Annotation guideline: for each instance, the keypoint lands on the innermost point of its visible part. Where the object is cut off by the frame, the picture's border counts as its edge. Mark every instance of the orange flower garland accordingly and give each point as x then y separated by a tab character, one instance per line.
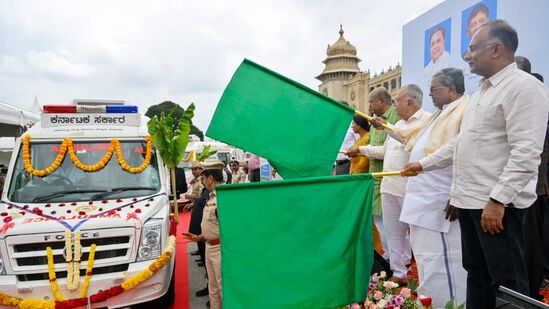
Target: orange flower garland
91	259
68	145
6	300
95	167
53	278
140	168
128	284
143	276
50	169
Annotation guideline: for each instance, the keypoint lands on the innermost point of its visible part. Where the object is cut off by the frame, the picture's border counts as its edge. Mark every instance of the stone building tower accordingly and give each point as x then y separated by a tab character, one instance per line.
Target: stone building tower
343	80
341	64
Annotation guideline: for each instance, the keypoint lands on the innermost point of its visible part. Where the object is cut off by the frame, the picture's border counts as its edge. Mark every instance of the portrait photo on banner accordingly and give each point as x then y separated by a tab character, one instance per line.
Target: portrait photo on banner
473	17
437	47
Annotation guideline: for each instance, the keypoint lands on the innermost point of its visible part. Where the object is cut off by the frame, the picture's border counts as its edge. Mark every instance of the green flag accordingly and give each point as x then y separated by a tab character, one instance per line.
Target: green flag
300	243
299	130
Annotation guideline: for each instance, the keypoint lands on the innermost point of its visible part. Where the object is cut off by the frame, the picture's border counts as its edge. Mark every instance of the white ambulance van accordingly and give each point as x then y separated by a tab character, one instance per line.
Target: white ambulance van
121	207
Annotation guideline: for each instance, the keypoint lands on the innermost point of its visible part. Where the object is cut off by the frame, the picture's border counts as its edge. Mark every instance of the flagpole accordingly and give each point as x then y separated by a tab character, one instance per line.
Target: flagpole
369	118
394	173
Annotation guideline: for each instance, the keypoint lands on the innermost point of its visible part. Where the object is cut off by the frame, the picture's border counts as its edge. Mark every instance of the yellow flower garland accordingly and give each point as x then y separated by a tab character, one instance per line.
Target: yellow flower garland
7	300
50	169
189	157
140	168
95	167
53	279
89	268
68	145
73	271
143	276
128	284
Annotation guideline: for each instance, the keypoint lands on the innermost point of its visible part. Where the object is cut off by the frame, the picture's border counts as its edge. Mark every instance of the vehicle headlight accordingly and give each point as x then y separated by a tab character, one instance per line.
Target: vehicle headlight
2	268
150	245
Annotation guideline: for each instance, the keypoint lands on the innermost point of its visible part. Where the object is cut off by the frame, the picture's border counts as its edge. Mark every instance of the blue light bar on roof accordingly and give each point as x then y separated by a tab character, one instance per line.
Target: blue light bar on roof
121	109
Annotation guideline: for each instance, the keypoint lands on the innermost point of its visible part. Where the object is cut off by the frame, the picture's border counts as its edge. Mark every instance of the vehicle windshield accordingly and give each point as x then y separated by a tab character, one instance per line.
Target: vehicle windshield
68	183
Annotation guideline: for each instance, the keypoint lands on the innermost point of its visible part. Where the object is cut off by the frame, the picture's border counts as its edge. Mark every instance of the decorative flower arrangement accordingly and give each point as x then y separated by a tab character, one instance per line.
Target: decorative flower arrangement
386	294
50	169
68	145
128	284
91	168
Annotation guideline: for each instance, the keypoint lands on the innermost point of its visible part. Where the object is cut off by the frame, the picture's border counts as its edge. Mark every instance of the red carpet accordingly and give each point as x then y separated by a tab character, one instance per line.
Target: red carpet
181	274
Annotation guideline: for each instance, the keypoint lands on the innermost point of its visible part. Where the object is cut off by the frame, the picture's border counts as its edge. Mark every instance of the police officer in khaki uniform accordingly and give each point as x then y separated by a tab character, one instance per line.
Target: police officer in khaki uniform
212	175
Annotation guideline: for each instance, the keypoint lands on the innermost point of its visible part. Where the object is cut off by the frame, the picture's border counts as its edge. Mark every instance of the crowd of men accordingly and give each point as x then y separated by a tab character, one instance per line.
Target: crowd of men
471	215
472	218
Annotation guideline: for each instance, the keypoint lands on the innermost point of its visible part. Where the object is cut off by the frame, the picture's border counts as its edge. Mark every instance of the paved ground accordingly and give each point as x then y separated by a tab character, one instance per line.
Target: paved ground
197	281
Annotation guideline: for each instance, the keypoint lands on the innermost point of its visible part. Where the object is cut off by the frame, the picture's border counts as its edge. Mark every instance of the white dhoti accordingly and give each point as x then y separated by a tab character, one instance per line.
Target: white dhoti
439	263
397	234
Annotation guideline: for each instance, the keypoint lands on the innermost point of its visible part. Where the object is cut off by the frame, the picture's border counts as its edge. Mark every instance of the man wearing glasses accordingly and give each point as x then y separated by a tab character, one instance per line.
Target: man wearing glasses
495	161
434	233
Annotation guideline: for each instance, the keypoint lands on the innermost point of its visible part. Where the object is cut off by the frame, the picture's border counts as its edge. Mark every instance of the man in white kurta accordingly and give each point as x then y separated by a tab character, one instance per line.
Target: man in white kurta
408	107
434	238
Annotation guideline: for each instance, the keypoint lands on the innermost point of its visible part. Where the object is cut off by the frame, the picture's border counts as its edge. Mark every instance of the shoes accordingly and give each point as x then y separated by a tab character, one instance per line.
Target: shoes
398	280
201	264
202	292
206	276
198	260
195	252
208	304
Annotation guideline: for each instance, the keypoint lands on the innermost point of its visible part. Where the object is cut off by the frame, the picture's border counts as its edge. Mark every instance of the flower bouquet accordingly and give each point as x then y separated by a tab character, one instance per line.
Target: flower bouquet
383	293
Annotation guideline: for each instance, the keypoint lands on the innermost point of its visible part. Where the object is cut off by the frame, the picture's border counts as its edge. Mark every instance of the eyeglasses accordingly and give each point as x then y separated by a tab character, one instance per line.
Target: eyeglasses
474	48
433	89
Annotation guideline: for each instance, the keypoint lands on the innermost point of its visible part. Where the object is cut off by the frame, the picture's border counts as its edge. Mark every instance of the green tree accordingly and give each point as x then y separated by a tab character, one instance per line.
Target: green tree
171	141
167	107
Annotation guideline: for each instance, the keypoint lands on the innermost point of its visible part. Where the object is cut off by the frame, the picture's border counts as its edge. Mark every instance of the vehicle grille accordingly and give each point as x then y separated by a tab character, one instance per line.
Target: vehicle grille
28	260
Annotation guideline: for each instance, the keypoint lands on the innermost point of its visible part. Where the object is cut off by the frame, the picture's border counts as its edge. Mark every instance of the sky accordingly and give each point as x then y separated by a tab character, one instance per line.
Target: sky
147	52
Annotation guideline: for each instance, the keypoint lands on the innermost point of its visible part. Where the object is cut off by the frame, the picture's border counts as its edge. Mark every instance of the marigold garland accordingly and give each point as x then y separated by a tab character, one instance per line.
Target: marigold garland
7	300
53	279
146	162
95	167
50	169
89	268
141	277
68	145
130	283
68	259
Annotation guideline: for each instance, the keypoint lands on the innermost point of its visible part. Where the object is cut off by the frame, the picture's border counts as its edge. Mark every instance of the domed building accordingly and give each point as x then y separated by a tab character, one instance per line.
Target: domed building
343	80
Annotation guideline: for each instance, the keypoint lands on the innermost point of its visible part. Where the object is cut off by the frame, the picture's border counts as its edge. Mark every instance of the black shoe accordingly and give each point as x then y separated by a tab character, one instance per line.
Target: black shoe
202	292
195	252
198	260
208	304
201	264
206	276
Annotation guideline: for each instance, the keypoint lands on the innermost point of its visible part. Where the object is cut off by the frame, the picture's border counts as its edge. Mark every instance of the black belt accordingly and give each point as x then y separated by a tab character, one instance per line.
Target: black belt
341	162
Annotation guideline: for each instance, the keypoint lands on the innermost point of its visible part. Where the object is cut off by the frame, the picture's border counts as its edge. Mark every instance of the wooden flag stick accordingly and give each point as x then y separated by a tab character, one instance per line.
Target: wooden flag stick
392	173
369	118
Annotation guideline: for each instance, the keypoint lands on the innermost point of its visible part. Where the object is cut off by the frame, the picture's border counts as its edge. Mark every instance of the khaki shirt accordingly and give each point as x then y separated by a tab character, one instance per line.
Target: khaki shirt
197	187
210	223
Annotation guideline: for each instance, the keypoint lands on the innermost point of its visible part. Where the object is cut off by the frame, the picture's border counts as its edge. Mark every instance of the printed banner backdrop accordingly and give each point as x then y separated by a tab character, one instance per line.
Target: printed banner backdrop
528	17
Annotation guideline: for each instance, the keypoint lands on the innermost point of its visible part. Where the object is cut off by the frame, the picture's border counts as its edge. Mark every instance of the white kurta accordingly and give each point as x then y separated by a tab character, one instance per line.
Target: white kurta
428	193
436	242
